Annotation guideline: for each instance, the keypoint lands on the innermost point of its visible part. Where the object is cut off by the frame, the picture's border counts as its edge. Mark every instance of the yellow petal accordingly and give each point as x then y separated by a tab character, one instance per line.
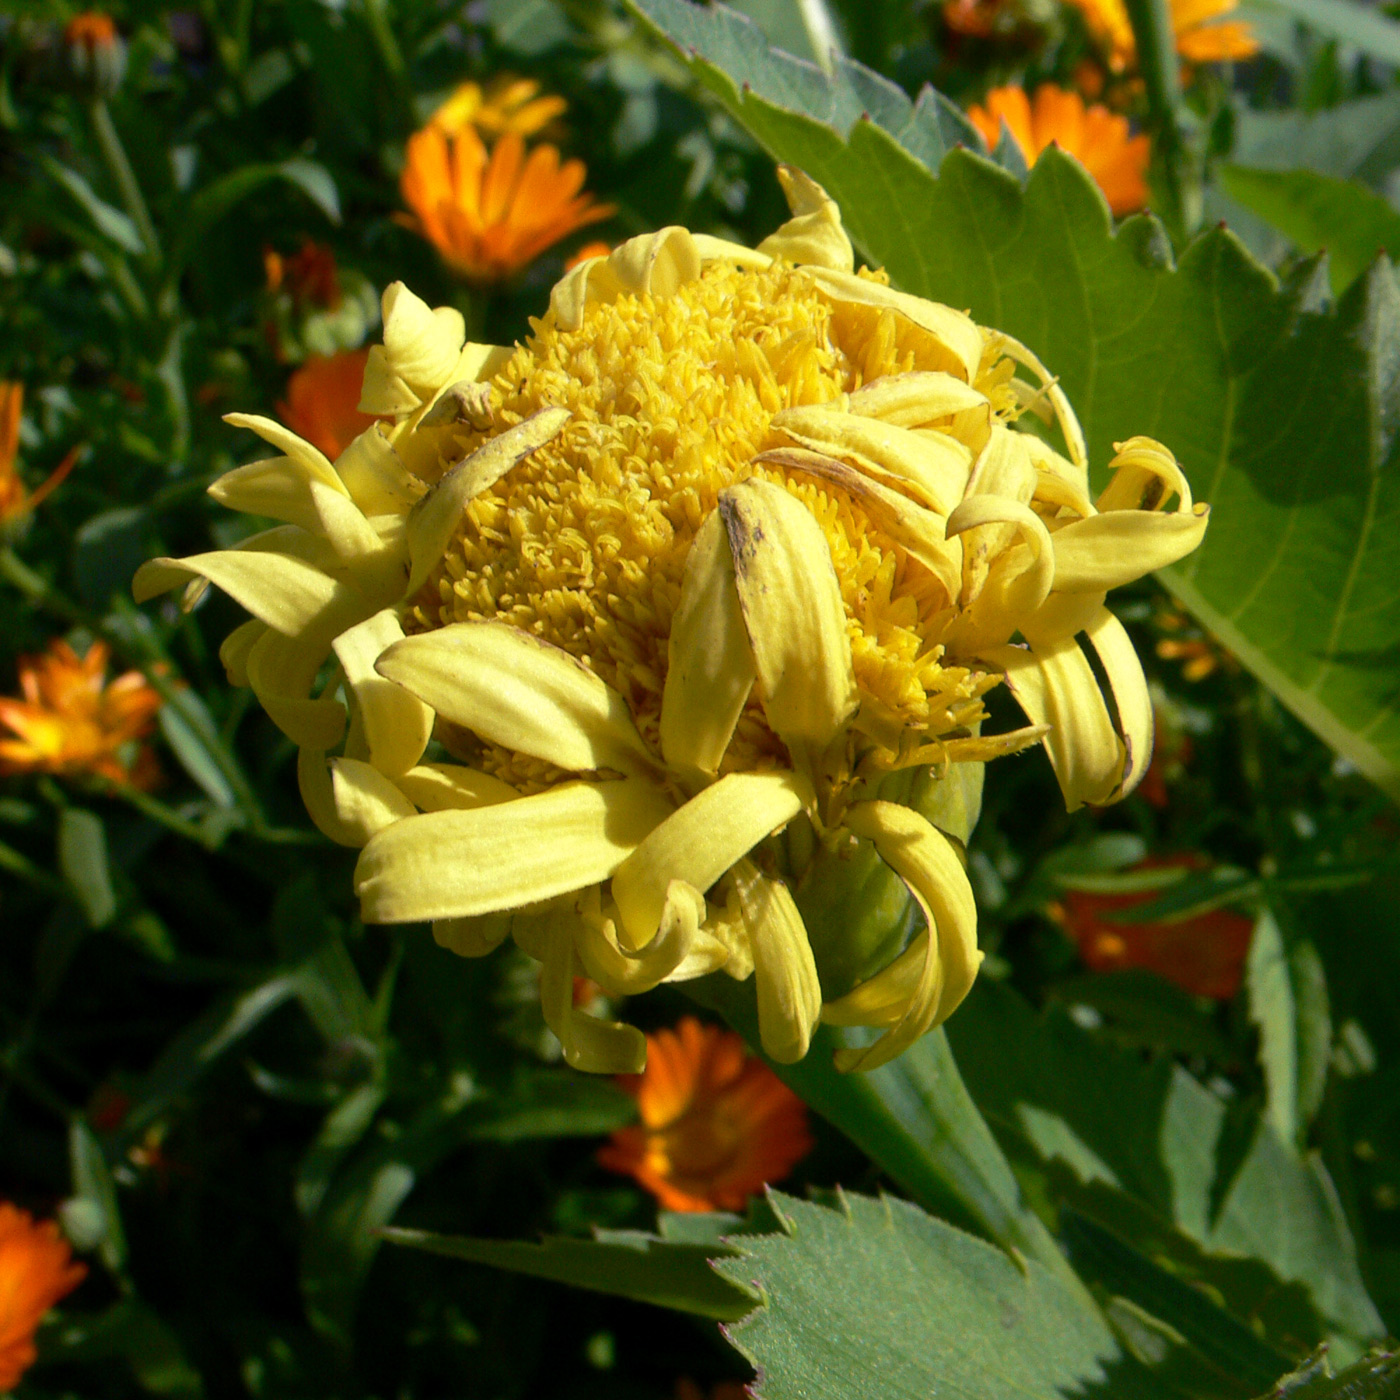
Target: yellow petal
438	516
793	614
928	981
785	973
658	264
1018	579
1131	700
1145	477
710	670
286	593
397	725
932	465
285	440
440	787
515	690
236	646
285	489
314	781
1108	550
951	331
919	532
1058	481
453	864
1064	412
814	235
1004	467
281	671
1060	616
365	800
472	938
916	399
624	972
420	353
589	1044
699	842
1055	685
378	482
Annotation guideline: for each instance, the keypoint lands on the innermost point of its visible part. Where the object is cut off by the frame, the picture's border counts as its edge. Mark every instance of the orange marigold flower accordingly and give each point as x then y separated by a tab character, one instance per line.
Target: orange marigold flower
16	501
489	215
597	249
716	1123
1203	953
309	275
72	721
90	30
1201	35
507	104
36	1270
323	398
1097	137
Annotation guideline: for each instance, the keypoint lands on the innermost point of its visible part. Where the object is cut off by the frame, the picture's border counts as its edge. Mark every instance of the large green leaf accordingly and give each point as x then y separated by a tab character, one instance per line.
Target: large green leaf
1281	412
877	1289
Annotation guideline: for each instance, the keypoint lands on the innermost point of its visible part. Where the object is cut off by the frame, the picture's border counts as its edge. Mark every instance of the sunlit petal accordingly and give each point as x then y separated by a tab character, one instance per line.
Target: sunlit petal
397	725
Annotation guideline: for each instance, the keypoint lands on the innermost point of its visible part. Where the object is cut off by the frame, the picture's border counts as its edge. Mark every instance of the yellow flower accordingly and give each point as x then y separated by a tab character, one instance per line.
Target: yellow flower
72	720
1094	135
16	501
507	105
736	535
489	215
36	1271
1201	35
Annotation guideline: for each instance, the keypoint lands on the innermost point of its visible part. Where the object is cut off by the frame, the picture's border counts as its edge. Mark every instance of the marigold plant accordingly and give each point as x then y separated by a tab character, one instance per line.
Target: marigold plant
717	1124
736	535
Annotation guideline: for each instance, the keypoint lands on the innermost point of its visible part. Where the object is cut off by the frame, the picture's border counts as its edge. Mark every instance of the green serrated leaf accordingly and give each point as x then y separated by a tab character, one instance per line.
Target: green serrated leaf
1267	401
1319	212
82	861
879	1289
624	1263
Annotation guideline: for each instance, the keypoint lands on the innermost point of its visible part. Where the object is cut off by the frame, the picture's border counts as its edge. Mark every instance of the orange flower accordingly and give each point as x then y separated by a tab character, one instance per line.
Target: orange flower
597	249
1098	137
323	397
508	104
36	1270
72	721
716	1124
90	30
488	216
686	1389
309	275
15	500
1204	953
1200	37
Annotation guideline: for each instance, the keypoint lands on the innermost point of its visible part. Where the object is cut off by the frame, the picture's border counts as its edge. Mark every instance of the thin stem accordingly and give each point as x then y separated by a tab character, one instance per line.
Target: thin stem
119	167
158	811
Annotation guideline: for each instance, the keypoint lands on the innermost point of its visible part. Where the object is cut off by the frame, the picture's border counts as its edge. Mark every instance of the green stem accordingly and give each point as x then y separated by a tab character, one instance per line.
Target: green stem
124	177
157	810
1173	173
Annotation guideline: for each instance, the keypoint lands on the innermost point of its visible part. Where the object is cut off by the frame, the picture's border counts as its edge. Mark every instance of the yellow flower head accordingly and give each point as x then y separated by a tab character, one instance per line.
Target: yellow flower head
506	104
734	536
489	214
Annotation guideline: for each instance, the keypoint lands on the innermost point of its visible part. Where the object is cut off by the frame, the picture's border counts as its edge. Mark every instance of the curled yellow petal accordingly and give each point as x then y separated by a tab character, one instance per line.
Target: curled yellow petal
1064	412
396	724
375	476
623	971
235	648
1131	699
472	938
1113	548
1145	477
655	263
698	842
288	594
453	864
286	441
590	1044
710	669
365	800
420	353
916	399
285	489
281	671
814	235
785	972
512	689
793	614
436	518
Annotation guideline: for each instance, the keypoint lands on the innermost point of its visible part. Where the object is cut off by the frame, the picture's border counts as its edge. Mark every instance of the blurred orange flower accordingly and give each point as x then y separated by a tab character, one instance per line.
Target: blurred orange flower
597	249
323	398
1204	953
72	721
490	215
15	500
506	104
1097	137
36	1270
309	275
1201	36
716	1123
90	30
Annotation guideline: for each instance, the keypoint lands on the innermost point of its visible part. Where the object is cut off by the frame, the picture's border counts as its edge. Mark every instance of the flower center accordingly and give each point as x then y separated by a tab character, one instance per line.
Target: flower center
584	543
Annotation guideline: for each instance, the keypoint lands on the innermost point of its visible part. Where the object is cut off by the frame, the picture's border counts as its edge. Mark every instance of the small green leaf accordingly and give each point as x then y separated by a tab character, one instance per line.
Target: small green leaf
93	1184
1352	223
193	753
110	222
624	1263
82	860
